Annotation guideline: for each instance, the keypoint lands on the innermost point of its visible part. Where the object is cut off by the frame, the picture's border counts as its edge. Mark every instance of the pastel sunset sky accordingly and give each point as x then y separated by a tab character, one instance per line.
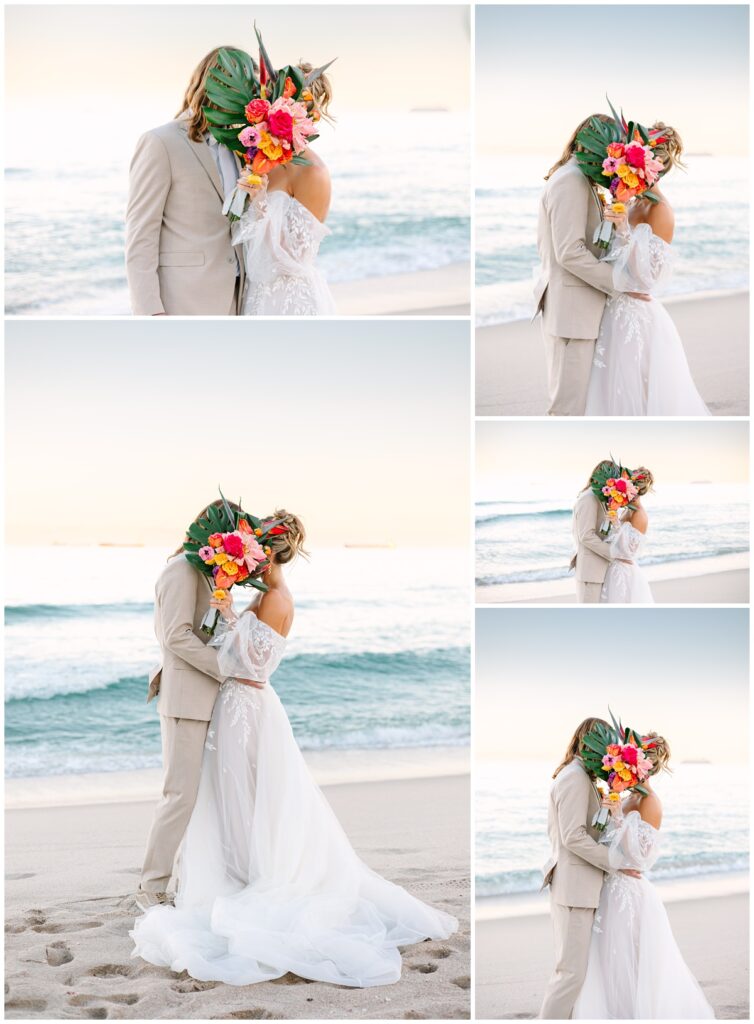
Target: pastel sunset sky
120	434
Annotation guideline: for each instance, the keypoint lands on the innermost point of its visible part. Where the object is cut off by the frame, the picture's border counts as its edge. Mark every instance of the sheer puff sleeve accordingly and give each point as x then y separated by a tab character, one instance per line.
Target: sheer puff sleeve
250	649
634	844
641	260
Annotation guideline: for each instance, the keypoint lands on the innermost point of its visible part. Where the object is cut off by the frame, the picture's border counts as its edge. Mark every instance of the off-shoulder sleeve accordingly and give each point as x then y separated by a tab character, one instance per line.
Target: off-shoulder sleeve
281	237
634	844
626	542
641	260
250	650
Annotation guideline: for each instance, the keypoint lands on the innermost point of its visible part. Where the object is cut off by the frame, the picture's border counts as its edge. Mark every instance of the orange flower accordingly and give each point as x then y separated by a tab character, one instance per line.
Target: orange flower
289	89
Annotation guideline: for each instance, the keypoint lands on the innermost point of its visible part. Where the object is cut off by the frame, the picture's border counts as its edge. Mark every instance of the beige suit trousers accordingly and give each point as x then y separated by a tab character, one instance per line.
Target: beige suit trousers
572	929
182	752
569	365
588	593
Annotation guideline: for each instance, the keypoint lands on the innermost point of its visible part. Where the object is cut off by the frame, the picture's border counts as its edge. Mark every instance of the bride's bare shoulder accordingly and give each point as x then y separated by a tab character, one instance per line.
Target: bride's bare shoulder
275	609
311	186
650	810
661	219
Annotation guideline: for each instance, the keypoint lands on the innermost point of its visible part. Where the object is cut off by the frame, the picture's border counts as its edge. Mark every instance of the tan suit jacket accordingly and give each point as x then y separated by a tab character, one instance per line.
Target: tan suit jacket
188	679
575	871
593	554
179	256
573	285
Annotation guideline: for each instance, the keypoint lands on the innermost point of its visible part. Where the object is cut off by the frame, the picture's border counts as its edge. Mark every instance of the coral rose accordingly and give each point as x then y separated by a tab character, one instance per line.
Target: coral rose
256	111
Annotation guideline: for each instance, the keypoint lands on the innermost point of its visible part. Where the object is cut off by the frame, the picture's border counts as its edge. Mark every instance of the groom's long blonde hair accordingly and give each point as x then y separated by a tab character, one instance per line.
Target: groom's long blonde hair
577	741
572	146
195	96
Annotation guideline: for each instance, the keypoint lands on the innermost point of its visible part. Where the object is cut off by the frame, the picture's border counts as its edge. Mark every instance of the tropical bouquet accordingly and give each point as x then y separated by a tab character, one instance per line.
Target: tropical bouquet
617	156
229	548
266	116
615	488
615	758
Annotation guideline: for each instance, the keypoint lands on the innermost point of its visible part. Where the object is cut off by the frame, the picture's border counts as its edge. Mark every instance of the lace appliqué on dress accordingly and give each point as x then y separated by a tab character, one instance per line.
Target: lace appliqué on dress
241	702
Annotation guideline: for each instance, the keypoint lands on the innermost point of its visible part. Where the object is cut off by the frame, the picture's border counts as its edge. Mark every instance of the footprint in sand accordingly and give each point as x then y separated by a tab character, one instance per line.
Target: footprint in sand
34	1005
57	954
74	926
424	968
111	971
192	985
441	953
257	1013
464	982
85	1000
18	875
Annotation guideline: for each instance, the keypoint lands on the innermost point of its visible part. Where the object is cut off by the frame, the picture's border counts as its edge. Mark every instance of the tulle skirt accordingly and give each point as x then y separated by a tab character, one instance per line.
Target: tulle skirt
625	584
639	366
269	882
636	971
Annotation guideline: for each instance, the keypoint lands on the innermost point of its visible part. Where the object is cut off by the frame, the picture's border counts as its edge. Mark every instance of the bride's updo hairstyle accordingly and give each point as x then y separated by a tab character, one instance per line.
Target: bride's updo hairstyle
321	90
643	486
670	150
576	745
659	755
289	545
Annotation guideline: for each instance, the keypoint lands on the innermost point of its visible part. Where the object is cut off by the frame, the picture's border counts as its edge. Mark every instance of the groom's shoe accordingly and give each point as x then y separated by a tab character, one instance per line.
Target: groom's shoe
145	900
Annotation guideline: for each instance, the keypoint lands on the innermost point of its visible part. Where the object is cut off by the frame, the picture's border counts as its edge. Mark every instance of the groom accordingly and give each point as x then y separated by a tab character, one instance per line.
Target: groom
187	683
574	874
179	256
574	283
593	552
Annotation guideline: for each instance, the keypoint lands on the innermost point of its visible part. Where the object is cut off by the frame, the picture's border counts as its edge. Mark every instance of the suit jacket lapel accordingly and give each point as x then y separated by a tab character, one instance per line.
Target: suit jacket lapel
205	158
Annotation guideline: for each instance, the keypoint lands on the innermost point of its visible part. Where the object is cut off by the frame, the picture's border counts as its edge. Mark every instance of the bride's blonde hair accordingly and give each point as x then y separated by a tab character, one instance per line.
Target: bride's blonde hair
670	150
659	755
289	545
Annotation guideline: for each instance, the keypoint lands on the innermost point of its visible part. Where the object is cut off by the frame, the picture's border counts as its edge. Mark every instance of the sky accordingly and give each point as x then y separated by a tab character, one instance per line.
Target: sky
542	69
517	455
116	433
123	69
680	672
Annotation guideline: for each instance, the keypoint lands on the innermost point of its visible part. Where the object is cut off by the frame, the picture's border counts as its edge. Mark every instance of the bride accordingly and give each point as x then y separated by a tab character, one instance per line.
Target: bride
281	231
269	882
635	969
625	582
639	366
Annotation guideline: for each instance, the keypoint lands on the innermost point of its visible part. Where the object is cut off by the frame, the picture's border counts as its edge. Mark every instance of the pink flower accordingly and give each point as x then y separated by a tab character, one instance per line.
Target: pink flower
233	545
610	164
630	755
250	135
653	169
635	155
253	553
620	485
206	553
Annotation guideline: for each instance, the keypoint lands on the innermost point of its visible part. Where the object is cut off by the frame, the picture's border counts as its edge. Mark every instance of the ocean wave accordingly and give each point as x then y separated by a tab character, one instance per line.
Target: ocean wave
25	612
698	864
324	672
503	517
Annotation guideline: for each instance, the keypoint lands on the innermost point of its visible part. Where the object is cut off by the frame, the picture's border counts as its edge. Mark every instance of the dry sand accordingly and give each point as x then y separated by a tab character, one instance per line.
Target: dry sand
71	872
442	292
514	957
510	363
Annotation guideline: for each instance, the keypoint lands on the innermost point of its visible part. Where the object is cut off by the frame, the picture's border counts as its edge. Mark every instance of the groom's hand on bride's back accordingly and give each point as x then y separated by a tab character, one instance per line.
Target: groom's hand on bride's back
639	295
630	872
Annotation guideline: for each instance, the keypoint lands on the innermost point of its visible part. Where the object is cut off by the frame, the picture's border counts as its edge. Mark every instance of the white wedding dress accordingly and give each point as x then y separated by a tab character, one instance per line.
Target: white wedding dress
281	239
636	971
625	584
639	366
269	882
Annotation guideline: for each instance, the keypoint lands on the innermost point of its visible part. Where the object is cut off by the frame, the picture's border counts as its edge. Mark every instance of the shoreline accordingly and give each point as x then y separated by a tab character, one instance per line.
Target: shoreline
714	329
329	768
443	291
719	579
70	877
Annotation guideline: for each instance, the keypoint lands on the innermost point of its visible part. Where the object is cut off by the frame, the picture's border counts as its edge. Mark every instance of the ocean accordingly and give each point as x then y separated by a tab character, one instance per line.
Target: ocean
530	541
378	658
392	213
711	242
705	828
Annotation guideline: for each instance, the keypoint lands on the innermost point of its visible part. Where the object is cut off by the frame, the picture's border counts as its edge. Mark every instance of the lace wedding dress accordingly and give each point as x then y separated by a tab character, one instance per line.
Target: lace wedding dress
281	239
269	882
625	584
639	366
636	971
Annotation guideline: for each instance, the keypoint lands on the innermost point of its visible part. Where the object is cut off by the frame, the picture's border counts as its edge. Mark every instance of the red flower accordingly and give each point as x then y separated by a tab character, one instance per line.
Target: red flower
277	530
629	755
281	125
620	485
634	155
233	545
256	111
289	89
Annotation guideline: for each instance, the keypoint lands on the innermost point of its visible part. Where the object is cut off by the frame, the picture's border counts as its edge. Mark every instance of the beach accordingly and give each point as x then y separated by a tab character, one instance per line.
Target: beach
441	292
514	954
723	579
714	327
71	872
